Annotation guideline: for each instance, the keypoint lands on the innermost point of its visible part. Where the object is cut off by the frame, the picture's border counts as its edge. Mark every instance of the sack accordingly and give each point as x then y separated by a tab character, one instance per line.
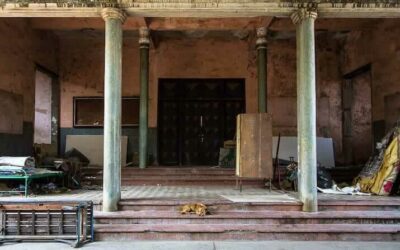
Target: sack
324	178
75	153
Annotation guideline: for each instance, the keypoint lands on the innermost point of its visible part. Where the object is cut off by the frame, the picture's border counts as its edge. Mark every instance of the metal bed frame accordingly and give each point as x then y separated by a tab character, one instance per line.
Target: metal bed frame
27	178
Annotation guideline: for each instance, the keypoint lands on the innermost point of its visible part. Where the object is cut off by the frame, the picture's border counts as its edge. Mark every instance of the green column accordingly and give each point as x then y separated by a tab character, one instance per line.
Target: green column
144	42
306	108
112	108
262	68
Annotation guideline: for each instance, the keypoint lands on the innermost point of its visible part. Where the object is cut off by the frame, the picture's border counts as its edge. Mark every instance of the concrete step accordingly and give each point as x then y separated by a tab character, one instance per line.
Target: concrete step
172	176
249	217
219	205
372	232
167	170
149	174
180	180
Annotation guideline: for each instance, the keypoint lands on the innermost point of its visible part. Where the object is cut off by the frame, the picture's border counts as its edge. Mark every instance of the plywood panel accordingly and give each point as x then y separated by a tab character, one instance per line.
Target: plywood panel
92	147
254	146
288	148
11	113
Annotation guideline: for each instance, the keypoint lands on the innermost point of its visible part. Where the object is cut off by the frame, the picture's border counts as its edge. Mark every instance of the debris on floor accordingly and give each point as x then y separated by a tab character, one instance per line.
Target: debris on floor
227	155
92	187
49	174
380	175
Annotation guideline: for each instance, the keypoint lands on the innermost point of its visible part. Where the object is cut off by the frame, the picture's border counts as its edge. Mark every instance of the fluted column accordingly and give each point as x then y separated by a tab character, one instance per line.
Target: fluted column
144	42
306	108
261	45
112	108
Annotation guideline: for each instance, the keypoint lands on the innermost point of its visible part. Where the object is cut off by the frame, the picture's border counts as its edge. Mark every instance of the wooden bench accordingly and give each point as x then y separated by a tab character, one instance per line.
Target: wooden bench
64	221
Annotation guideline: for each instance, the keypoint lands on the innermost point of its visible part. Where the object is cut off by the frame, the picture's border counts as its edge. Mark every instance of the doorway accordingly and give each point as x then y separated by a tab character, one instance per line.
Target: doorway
195	117
47	106
357	116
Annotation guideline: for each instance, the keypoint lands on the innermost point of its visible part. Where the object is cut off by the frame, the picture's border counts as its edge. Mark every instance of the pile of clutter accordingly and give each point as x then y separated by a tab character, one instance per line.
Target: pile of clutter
324	178
380	175
69	167
12	167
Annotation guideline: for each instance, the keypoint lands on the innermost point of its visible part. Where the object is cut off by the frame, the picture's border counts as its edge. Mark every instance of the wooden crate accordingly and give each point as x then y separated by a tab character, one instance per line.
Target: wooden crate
254	146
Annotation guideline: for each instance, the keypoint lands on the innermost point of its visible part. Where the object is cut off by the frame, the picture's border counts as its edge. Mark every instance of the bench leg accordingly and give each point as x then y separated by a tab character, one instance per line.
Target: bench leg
26	187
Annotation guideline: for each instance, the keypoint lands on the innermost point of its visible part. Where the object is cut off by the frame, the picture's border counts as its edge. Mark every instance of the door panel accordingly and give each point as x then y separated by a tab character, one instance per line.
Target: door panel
202	132
195	117
168	143
357	119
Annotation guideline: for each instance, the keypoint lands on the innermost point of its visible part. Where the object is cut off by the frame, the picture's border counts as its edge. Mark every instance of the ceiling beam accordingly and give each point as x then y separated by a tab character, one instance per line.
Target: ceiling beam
51	23
330	24
158	24
202	10
187	24
169	23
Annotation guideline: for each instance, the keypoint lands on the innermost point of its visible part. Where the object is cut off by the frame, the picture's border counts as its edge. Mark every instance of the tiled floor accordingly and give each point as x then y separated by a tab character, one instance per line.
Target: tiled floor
196	192
158	192
210	245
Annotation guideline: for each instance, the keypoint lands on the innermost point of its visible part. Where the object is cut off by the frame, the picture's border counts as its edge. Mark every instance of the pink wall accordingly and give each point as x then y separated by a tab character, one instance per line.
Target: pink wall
82	68
82	63
79	61
20	48
379	46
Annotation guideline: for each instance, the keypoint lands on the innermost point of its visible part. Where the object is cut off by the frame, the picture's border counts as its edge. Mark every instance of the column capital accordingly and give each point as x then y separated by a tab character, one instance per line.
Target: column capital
113	13
144	37
261	41
302	14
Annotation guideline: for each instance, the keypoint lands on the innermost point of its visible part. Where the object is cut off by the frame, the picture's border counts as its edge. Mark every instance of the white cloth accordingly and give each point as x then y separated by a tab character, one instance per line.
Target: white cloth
346	190
18	161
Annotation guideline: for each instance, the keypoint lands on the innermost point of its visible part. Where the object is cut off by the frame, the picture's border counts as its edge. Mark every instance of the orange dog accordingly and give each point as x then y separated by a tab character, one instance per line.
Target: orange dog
197	208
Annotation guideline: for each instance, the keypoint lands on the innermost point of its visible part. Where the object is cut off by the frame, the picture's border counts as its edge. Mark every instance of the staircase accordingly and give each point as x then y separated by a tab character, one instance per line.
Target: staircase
172	176
360	220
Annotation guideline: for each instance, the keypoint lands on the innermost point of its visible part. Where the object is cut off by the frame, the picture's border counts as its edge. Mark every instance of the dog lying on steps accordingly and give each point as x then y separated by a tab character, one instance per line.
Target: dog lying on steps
194	208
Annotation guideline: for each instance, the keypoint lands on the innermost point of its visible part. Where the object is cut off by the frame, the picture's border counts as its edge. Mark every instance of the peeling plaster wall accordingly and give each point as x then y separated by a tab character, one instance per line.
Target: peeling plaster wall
282	88
82	67
21	48
82	72
380	46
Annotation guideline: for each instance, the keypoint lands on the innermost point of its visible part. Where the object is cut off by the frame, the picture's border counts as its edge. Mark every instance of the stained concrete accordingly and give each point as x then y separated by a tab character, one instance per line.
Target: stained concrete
213	245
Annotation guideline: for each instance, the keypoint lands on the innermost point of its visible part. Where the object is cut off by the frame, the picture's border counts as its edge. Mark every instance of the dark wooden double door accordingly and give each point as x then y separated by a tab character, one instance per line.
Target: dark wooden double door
196	116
